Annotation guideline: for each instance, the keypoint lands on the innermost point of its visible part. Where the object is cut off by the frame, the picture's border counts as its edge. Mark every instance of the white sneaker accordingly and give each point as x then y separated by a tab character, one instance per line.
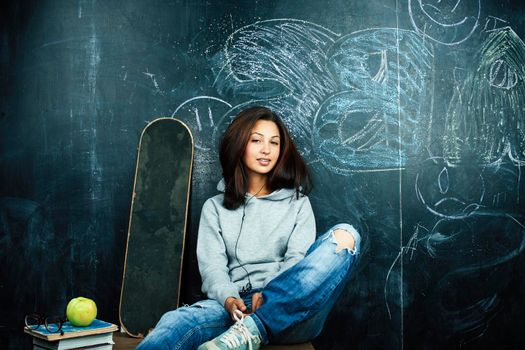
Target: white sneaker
243	335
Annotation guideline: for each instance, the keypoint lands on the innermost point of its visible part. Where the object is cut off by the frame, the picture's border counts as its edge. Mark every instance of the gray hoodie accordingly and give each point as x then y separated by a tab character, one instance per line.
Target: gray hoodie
277	230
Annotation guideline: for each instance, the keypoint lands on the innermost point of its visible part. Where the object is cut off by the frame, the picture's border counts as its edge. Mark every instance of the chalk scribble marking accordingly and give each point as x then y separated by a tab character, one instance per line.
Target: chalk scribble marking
470	235
485	115
153	80
448	22
281	62
202	115
381	74
446	191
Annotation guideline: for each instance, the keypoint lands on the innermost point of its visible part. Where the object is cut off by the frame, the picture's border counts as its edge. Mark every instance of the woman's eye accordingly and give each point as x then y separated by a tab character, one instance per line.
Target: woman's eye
275	143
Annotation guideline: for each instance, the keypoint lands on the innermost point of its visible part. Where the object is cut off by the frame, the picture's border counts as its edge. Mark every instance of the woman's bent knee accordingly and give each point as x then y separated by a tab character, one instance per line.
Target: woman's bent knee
347	238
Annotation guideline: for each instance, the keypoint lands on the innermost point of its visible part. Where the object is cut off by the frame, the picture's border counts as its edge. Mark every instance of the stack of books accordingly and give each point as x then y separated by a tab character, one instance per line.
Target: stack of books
97	336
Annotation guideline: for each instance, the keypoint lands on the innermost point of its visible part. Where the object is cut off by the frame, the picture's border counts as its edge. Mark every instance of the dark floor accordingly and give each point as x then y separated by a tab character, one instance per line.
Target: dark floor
123	342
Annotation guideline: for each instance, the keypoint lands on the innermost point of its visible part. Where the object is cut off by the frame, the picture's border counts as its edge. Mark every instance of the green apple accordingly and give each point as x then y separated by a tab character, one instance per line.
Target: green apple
81	311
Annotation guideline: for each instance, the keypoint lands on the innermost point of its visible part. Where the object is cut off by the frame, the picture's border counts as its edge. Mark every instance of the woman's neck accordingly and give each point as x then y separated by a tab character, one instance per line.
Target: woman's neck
258	185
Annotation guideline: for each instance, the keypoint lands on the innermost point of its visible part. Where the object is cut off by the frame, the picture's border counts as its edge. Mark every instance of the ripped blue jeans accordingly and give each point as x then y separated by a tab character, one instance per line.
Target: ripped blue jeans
296	302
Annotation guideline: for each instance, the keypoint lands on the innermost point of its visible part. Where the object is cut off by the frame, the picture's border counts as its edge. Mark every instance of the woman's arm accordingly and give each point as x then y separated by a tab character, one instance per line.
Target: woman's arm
300	239
212	258
302	236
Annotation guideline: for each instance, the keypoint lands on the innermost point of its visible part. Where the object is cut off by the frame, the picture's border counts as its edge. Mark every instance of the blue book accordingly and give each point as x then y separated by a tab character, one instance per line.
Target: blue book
70	331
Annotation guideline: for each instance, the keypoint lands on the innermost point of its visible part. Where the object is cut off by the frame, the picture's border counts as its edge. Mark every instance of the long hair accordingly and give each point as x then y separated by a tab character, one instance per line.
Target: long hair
289	172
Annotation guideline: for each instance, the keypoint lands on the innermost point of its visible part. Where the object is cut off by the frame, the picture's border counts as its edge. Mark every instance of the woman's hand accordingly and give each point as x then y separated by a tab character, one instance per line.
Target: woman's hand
257	301
231	304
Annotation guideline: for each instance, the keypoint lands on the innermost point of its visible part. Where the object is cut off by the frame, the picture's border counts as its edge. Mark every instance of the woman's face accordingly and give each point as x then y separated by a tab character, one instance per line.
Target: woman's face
262	151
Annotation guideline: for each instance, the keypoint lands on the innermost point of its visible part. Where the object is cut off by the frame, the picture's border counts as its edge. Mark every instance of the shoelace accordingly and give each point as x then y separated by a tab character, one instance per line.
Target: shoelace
239	333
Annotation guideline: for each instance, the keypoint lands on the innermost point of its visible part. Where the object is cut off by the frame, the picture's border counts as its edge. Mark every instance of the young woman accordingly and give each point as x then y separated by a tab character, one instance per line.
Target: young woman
265	277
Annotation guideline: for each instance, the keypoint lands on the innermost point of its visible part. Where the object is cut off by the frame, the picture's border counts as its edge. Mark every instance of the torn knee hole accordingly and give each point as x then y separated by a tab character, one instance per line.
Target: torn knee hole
344	240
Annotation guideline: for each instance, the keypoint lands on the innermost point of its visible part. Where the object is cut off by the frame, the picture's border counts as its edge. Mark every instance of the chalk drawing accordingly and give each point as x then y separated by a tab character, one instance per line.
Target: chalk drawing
461	240
394	279
202	114
472	232
319	82
492	23
485	115
449	192
468	248
448	22
463	248
384	74
281	60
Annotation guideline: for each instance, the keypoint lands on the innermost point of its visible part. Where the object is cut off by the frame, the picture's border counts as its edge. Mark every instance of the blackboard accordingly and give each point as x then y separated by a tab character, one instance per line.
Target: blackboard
410	114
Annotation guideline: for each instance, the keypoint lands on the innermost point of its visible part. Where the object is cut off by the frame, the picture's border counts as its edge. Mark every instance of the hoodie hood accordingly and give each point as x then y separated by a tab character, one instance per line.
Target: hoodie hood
280	194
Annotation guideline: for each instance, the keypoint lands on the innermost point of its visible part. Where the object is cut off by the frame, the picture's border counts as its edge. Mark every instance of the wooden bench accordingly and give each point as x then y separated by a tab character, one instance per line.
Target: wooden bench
123	342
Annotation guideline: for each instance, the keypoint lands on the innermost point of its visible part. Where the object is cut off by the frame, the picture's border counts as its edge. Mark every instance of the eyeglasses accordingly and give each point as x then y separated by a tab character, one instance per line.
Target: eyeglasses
52	324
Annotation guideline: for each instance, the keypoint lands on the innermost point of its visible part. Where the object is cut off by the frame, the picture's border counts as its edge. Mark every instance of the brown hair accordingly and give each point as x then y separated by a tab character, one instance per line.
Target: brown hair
289	172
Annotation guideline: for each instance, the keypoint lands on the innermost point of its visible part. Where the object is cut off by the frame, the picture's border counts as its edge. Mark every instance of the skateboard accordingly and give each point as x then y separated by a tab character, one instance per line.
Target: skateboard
157	226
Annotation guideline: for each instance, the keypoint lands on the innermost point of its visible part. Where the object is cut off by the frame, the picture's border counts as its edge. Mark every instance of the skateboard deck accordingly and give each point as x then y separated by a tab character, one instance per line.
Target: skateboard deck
157	226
